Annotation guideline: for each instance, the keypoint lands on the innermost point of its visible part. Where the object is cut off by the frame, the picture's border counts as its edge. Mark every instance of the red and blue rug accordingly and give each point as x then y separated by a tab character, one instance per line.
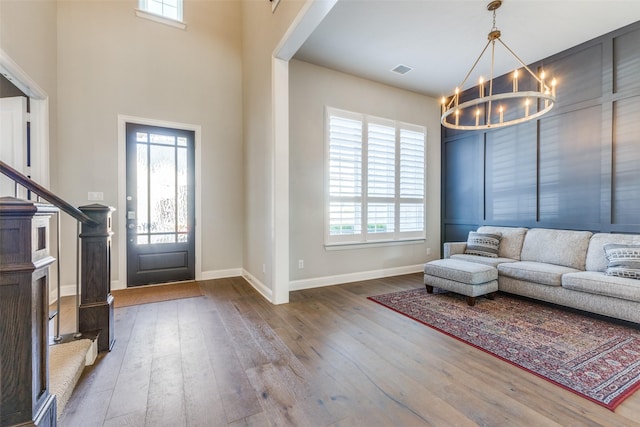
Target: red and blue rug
593	358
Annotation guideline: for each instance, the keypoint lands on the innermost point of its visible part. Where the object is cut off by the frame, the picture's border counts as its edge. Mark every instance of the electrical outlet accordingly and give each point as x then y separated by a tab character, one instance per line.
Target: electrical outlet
301	263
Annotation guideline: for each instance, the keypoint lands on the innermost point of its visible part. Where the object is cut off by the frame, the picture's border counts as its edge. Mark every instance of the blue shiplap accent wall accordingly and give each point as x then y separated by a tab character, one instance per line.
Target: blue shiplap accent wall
578	167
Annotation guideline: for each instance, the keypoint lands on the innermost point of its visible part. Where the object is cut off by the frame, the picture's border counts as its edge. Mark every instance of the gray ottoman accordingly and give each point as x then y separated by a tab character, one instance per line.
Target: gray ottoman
462	277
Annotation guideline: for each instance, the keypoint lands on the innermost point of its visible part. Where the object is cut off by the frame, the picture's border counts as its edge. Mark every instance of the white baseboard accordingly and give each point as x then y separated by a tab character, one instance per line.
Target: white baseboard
266	292
117	284
70	290
219	274
258	286
316	282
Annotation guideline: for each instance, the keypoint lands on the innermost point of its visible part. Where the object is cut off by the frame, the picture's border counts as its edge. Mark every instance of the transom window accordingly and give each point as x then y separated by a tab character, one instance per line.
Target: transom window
171	9
375	179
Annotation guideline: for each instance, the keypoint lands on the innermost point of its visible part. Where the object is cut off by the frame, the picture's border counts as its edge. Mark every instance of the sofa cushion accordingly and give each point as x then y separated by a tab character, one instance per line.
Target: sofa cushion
511	241
624	260
595	282
483	244
537	272
482	259
561	247
596	257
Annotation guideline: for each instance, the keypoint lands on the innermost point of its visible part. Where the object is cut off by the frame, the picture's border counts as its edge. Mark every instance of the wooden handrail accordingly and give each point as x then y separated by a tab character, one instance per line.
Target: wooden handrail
36	188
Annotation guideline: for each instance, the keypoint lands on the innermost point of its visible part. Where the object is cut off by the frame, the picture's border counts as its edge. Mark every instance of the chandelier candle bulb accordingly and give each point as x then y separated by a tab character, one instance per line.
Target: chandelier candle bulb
444	107
553	88
501	114
526	108
515	81
477	116
546	101
457	117
481	82
542	82
457	96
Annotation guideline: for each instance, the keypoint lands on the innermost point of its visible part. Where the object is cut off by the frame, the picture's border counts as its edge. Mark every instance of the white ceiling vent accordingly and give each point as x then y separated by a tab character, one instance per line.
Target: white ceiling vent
401	69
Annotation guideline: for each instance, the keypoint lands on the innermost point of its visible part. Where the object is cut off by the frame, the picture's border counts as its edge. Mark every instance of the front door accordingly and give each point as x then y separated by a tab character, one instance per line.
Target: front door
160	205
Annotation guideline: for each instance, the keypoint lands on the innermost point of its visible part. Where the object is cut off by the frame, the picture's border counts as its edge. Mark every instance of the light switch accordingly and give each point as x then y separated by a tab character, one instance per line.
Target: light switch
95	195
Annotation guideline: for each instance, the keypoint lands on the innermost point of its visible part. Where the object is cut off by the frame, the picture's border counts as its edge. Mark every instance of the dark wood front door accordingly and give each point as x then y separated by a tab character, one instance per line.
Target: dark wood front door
160	205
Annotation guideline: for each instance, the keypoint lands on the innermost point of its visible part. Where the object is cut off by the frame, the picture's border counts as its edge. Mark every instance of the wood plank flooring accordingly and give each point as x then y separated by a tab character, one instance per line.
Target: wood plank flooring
328	358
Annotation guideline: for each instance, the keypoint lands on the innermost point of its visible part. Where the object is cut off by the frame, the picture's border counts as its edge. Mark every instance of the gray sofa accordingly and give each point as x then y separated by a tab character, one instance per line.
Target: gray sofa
563	267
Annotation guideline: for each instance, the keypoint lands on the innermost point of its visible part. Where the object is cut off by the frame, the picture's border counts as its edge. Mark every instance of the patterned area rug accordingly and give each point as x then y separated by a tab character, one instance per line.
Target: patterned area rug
593	358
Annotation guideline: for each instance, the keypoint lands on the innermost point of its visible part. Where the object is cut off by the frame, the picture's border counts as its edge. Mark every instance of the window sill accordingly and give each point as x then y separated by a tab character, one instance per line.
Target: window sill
360	245
161	19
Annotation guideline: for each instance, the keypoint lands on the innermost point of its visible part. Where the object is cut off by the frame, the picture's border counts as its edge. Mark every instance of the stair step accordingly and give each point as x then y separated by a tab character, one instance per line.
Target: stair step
66	363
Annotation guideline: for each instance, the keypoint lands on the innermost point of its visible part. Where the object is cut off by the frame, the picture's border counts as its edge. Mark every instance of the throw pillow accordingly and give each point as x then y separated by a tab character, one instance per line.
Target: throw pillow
624	260
483	244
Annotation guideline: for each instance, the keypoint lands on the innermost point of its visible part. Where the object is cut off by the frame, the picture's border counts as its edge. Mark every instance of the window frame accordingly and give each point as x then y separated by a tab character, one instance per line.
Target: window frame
365	237
143	11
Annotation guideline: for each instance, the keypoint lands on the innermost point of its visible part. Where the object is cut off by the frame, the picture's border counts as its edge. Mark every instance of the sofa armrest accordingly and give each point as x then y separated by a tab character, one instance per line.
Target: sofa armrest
453	248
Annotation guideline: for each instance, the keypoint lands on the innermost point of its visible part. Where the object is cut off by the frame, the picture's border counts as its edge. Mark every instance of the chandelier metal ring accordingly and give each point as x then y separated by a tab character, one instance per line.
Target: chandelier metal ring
532	95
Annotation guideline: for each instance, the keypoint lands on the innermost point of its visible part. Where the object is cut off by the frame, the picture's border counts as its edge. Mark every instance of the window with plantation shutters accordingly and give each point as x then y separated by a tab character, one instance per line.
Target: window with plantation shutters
375	179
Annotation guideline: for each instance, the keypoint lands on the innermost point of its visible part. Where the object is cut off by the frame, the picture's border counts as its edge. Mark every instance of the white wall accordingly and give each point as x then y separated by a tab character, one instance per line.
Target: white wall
311	89
262	31
28	35
112	62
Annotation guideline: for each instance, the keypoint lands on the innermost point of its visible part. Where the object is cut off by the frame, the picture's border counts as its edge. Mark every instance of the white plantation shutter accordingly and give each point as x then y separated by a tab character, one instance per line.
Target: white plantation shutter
345	176
345	157
381	177
380	217
412	179
411	163
412	217
381	167
375	179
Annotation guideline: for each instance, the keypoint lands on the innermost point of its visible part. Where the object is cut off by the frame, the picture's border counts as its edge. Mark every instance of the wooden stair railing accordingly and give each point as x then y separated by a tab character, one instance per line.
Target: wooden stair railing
24	302
44	193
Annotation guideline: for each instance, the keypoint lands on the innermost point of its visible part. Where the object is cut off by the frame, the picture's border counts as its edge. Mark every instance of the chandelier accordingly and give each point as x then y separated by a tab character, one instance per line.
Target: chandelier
498	103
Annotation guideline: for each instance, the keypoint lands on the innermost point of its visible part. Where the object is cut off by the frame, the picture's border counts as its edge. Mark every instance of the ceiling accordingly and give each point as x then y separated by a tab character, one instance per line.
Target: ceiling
441	39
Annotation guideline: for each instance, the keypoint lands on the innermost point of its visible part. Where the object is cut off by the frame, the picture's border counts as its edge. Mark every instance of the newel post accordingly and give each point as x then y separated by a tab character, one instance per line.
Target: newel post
25	399
96	303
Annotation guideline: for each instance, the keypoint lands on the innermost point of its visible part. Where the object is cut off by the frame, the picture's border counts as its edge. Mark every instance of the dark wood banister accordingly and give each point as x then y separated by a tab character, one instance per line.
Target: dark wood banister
25	261
36	188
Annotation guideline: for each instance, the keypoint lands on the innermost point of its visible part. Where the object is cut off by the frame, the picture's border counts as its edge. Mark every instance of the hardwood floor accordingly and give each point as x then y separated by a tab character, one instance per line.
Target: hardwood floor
328	358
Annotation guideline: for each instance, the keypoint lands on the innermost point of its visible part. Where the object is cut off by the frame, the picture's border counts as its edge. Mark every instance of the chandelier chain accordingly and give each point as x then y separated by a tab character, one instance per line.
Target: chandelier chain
494	20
